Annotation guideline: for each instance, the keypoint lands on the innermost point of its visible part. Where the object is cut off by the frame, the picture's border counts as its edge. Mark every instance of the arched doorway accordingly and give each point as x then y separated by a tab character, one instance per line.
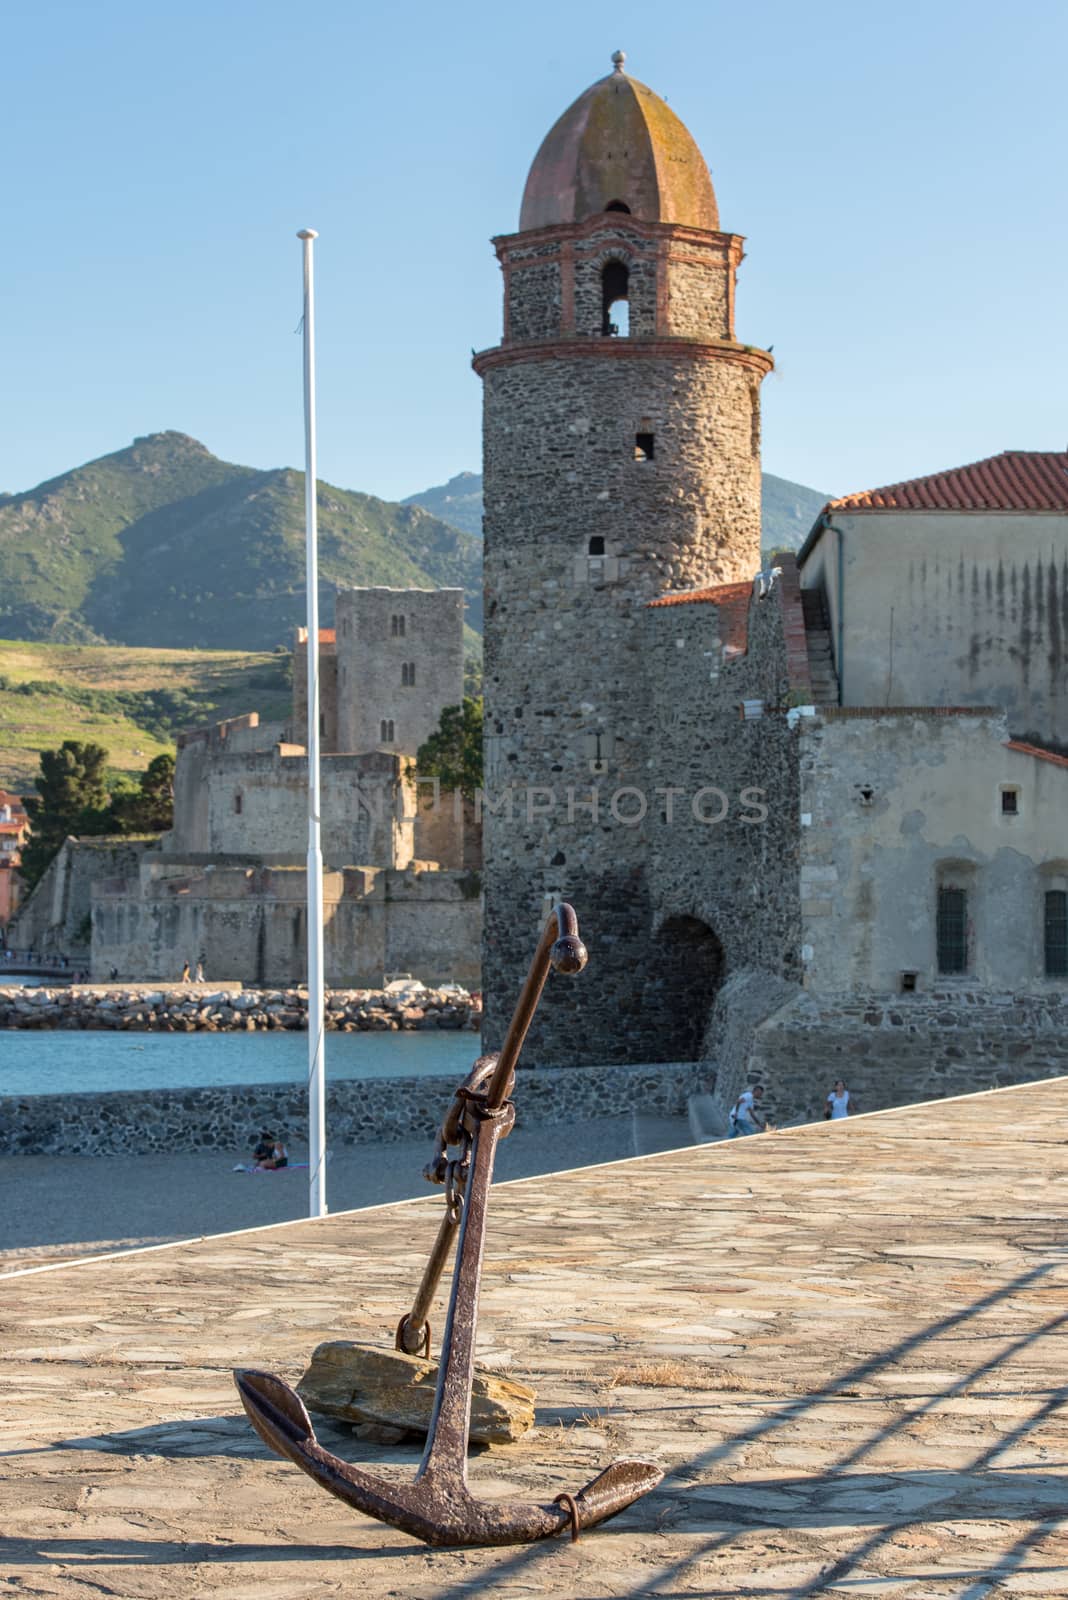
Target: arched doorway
689	969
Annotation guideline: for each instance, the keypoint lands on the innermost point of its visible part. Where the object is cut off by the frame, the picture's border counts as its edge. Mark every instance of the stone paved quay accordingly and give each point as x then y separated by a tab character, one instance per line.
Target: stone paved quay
846	1344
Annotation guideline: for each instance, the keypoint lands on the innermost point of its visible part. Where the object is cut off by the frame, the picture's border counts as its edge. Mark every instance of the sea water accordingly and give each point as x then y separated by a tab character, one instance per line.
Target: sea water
70	1062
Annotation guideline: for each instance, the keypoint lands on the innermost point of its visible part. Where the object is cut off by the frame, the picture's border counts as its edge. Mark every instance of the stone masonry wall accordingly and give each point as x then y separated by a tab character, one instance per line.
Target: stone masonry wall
737	874
895	1052
56	919
406	677
255	804
566	662
698	305
358	1110
250	925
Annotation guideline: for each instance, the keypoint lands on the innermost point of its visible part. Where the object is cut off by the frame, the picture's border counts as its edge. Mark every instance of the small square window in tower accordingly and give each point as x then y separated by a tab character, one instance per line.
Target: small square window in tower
1010	802
644	446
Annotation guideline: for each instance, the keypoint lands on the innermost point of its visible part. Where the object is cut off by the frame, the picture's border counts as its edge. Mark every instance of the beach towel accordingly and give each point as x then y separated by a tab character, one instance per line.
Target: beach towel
270	1172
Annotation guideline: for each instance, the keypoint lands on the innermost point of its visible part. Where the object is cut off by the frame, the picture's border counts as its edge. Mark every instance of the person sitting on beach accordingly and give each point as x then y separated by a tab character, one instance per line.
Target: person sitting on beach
270	1153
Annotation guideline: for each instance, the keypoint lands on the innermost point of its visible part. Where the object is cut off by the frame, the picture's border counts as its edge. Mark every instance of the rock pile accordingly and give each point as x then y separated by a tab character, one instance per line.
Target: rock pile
145	1010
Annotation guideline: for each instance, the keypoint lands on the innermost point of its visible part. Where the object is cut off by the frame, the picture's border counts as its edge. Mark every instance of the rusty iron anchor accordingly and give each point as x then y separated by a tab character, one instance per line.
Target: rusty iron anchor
438	1506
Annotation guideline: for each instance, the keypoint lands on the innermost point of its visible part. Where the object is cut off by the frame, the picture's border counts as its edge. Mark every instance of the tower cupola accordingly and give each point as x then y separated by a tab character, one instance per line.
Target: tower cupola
619	147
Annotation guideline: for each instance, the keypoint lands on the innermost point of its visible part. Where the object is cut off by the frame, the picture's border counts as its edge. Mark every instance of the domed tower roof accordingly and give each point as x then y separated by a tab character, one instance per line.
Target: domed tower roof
619	147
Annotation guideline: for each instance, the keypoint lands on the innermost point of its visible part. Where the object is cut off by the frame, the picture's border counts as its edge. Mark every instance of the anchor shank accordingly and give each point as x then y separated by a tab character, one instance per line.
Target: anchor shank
446	1446
559	947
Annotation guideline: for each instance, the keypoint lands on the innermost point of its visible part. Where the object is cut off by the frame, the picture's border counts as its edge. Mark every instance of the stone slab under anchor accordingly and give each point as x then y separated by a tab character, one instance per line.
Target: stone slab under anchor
363	1383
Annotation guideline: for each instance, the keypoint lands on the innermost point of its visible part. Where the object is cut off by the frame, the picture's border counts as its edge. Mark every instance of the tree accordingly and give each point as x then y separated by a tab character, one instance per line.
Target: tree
150	807
453	752
72	797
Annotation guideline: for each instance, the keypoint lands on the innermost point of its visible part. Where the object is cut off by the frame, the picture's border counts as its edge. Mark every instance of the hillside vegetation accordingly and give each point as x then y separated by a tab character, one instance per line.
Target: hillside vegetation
164	544
133	702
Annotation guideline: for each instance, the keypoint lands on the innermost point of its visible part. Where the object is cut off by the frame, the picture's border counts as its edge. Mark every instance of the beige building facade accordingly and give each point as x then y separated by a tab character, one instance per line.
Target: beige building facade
953	590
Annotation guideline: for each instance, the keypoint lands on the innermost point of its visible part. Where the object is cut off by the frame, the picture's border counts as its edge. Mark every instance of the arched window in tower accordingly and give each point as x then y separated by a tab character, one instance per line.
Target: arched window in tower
407	674
386	732
617	205
615	305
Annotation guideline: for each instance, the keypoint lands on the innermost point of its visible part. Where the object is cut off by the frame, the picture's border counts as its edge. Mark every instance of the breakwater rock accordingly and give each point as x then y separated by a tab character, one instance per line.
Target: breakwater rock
202	1008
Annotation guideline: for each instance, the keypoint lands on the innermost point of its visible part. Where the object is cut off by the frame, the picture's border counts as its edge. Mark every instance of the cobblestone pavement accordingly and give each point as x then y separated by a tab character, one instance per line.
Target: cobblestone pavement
845	1344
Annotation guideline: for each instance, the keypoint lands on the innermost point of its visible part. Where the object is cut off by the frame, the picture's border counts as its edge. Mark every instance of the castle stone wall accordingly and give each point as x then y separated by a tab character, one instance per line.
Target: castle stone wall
55	920
955	1040
400	660
249	924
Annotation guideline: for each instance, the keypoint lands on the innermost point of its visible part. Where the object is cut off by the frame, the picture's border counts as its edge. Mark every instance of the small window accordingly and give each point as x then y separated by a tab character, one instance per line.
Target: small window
952	930
386	732
238	804
396	627
408	674
1010	802
596	545
1056	933
908	982
644	446
617	205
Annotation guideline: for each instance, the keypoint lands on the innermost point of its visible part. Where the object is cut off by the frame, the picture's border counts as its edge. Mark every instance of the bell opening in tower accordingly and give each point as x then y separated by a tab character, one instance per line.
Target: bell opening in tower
615	305
618	205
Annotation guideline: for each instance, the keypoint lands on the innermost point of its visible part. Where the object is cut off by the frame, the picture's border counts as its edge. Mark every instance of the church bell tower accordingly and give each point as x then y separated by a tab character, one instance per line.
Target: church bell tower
621	463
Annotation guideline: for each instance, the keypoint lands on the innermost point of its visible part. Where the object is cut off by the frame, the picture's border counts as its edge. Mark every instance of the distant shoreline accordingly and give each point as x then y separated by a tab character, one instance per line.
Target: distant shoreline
230	1008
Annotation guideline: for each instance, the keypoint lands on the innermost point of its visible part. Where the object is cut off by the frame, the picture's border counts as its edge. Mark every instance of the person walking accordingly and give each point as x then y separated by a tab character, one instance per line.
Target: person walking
839	1103
744	1117
185	972
200	968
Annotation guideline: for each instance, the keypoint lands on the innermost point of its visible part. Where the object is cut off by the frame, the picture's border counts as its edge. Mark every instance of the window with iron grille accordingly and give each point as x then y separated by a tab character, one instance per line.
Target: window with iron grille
1056	933
952	930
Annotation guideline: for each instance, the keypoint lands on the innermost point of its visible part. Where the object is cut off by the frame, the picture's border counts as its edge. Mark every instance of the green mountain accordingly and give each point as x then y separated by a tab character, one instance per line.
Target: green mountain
459	501
164	544
788	510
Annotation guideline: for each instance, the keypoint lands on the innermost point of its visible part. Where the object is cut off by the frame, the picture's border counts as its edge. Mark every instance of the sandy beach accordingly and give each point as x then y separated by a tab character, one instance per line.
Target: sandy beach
56	1207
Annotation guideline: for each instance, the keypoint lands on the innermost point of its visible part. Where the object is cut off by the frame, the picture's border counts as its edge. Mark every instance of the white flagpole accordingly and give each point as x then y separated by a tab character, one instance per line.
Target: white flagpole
316	997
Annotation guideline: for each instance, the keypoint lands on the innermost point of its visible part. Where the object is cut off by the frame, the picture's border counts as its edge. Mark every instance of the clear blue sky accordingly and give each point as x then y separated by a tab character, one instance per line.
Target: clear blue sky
899	172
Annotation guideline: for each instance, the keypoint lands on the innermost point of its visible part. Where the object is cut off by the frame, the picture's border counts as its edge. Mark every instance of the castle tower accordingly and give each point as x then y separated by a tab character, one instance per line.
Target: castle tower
621	462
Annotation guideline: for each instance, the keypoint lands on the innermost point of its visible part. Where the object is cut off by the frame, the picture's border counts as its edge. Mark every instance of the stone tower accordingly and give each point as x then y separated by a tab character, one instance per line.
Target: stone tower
621	462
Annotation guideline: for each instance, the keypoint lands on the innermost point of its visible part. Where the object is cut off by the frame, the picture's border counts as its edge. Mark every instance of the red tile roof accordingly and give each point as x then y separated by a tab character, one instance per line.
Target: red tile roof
1015	480
732	599
1037	750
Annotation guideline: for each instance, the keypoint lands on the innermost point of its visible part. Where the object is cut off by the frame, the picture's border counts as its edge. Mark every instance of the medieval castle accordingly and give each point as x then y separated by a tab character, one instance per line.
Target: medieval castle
809	817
